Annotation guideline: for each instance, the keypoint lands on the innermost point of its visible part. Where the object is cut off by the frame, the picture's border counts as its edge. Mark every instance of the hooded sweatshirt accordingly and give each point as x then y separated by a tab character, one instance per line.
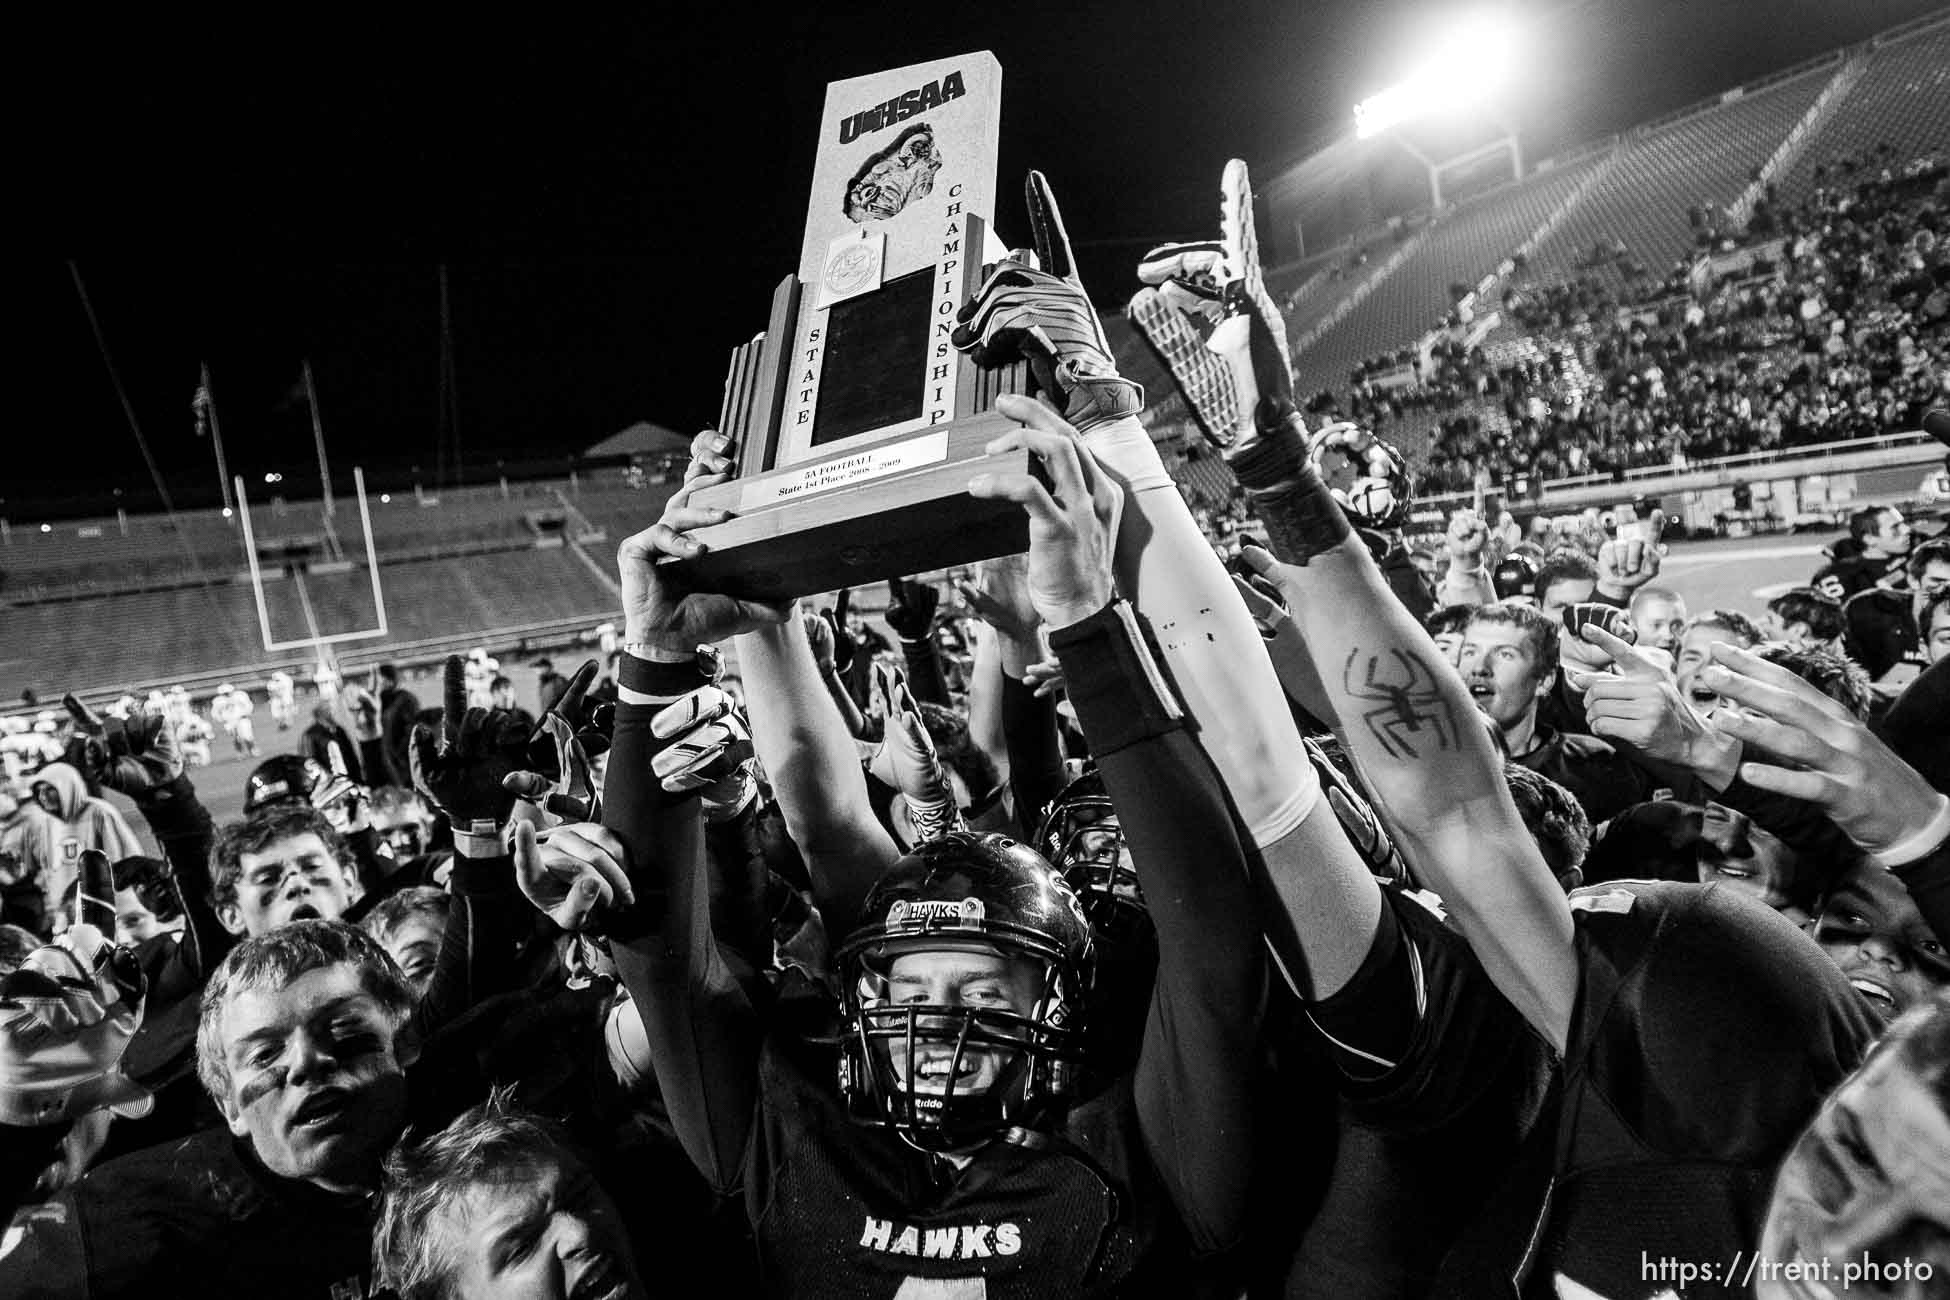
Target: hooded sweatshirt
82	823
24	833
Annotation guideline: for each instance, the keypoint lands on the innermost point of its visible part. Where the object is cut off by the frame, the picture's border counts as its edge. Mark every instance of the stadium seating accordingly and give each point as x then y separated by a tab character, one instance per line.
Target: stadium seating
97	552
131	638
1902	100
1640	195
191	631
1309	291
1659	174
95	556
1460	247
620	511
439	597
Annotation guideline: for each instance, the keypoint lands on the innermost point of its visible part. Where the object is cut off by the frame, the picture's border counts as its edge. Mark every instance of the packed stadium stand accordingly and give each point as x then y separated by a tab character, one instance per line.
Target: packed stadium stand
1648	194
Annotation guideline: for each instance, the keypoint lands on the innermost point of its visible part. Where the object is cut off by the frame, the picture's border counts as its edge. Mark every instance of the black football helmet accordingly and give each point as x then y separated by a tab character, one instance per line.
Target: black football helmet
1515	577
1082	838
294	779
979	894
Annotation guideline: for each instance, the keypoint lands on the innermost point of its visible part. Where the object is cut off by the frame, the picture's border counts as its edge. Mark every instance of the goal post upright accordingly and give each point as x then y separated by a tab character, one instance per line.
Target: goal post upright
272	645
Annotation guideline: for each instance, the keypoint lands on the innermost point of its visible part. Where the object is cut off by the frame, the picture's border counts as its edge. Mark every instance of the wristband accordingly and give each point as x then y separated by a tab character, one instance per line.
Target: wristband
933	819
1120	695
651	652
480	838
1301	517
658	681
1920	844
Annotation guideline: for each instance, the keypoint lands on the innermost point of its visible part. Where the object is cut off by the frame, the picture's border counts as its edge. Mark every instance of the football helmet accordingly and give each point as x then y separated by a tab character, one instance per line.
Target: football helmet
294	778
946	1075
1515	578
1082	838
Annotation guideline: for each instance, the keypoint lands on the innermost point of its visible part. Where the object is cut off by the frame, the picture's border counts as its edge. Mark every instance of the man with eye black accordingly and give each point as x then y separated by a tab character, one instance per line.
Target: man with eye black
303	1041
303	1046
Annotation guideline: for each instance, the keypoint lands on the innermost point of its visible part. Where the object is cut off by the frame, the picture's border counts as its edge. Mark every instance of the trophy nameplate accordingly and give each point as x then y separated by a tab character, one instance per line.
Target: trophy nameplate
857	423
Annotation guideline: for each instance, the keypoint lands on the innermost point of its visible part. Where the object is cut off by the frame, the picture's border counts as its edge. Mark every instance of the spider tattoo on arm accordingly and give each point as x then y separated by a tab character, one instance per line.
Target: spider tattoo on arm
1405	706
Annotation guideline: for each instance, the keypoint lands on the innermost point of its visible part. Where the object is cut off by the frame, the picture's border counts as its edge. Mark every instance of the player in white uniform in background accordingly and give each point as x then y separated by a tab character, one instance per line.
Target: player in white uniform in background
283	695
220	709
178	708
481	672
325	677
231	708
606	639
193	732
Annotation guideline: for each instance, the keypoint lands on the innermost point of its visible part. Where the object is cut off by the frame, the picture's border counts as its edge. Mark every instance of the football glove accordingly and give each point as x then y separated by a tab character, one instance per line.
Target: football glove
1032	307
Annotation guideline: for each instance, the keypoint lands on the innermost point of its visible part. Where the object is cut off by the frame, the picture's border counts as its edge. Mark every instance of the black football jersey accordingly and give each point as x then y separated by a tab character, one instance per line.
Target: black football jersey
845	1210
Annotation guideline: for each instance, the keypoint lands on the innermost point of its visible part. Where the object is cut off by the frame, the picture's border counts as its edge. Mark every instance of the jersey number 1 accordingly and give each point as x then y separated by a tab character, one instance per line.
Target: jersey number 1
943	1288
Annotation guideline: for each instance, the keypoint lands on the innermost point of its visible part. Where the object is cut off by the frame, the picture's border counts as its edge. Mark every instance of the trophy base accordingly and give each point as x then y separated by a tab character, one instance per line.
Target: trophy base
899	507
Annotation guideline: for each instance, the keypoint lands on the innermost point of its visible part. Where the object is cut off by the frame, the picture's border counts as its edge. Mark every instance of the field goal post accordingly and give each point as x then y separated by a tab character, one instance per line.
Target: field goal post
319	643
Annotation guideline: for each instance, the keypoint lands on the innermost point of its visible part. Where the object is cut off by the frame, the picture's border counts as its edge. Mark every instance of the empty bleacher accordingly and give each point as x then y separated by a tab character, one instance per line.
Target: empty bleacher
1663	171
98	554
1902	100
1461	246
113	640
101	642
1309	291
619	510
145	552
434	598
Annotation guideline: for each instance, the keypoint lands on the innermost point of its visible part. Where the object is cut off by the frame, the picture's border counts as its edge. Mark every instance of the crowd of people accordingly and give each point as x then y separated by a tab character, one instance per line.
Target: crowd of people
1120	923
1844	334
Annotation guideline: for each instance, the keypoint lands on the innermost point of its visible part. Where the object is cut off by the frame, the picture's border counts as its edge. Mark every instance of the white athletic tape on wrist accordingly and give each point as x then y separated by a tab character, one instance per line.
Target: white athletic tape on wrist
1922	842
1126	450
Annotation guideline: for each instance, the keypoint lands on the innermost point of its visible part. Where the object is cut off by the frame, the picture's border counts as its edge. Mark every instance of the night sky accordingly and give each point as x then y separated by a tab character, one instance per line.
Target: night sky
615	198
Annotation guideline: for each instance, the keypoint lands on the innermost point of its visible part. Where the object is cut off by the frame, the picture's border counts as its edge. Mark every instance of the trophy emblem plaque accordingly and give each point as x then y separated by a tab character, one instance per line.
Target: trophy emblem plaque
857	423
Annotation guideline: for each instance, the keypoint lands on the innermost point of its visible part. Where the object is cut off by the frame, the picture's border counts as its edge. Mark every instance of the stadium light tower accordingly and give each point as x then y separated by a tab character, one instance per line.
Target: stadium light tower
1467	66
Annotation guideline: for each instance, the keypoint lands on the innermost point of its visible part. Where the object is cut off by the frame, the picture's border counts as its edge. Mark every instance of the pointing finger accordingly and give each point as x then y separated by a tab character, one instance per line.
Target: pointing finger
453	697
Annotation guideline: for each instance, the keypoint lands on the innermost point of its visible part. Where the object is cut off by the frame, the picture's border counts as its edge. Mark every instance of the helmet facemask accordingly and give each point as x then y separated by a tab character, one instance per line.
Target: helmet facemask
964	992
1083	840
951	1075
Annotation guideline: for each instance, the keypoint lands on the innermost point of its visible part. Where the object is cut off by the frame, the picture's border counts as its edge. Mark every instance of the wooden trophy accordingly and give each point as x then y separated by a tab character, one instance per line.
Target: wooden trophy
857	423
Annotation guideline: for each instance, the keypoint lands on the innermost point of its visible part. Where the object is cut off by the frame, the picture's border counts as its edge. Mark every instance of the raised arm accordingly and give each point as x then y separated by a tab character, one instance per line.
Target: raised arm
1465	576
1407	720
703	1028
987	725
822	635
1201	1042
803	727
910	613
1328	904
814	765
1026	720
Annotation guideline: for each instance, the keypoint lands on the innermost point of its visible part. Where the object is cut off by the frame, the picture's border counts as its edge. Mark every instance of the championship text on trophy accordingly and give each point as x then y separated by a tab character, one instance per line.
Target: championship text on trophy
858	425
